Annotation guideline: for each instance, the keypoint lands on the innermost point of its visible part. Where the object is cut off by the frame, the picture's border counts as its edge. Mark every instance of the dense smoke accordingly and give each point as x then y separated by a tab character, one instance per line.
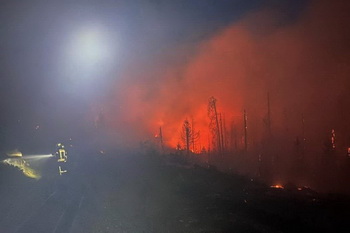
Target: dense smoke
303	63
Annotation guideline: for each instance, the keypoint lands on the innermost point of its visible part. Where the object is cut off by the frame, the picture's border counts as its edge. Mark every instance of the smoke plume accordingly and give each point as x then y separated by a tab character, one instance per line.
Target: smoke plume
302	63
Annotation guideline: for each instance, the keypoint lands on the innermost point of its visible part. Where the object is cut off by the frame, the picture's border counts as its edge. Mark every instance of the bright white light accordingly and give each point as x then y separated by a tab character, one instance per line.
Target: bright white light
90	47
89	52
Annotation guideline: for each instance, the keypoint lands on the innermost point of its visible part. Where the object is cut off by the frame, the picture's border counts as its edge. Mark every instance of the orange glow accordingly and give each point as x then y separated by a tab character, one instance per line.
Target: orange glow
238	65
277	186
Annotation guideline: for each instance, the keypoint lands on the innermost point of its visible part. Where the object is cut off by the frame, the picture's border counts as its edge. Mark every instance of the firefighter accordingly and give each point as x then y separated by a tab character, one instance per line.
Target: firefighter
61	153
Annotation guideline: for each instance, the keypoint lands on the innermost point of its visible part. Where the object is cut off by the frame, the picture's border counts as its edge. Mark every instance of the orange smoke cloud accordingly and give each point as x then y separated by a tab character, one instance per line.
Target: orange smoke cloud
302	64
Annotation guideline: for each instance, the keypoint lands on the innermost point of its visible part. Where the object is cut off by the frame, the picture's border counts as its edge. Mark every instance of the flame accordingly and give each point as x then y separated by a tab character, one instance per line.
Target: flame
277	186
239	65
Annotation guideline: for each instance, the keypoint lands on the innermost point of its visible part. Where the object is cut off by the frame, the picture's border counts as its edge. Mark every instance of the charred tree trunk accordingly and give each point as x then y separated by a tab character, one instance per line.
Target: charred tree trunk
268	116
214	125
187	140
161	139
221	136
245	131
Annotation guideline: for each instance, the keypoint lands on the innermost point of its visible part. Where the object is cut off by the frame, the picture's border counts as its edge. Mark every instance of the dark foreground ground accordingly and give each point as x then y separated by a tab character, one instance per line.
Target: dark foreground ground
125	192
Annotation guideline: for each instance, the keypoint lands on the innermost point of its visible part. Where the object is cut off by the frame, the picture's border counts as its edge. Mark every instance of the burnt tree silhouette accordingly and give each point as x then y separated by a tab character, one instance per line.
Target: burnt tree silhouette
245	119
188	135
214	125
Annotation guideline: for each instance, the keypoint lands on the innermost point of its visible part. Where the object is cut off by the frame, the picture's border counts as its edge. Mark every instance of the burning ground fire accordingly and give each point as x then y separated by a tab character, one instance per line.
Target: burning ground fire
277	186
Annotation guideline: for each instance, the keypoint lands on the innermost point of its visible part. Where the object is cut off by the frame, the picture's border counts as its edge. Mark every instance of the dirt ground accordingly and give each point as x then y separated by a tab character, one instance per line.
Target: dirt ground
131	193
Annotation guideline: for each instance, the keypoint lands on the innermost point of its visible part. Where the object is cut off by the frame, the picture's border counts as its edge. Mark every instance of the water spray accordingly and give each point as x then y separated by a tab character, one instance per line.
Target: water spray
24	166
37	157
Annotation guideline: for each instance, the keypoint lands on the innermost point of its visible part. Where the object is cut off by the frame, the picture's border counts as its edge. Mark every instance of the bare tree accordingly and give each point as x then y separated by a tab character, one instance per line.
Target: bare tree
189	136
161	138
245	119
214	125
